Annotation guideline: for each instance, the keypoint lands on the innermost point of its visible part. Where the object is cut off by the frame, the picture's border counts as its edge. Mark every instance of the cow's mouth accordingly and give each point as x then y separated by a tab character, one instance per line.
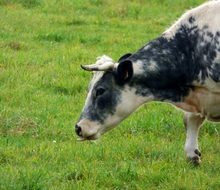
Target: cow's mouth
89	138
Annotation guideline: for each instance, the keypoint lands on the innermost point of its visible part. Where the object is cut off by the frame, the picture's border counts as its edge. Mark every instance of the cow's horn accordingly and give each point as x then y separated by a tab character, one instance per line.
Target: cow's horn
103	63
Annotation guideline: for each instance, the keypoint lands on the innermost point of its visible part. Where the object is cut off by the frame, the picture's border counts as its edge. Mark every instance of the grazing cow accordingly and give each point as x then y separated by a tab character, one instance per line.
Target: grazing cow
181	67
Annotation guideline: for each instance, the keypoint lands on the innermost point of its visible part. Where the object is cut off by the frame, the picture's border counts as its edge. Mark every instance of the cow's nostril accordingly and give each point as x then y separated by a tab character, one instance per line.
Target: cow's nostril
78	130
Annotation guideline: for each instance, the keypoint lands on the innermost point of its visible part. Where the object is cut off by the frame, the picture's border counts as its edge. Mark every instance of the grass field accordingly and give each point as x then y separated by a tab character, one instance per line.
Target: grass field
42	92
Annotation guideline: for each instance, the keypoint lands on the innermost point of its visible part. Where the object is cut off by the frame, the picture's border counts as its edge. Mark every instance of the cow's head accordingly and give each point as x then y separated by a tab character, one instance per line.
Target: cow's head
110	99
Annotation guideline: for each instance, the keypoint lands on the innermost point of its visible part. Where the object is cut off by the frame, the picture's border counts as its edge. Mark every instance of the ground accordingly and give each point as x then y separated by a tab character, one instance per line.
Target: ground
43	89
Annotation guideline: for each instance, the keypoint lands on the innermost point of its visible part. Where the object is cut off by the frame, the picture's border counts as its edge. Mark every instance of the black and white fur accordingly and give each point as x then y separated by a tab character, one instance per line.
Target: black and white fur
181	67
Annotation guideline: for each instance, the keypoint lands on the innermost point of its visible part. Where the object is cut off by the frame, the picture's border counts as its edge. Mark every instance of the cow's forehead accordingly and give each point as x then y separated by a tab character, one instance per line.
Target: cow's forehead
97	75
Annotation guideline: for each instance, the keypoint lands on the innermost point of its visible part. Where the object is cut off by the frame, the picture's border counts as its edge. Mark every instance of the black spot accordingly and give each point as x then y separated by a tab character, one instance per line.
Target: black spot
194	160
198	152
215	72
210	34
192	19
205	27
100	107
99	91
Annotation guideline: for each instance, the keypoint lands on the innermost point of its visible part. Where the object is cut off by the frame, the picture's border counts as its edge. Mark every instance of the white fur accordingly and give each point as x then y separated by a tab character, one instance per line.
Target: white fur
152	66
206	14
193	123
138	67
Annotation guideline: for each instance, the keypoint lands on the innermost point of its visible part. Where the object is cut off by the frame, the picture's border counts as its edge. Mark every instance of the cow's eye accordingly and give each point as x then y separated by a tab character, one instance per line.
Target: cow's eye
99	92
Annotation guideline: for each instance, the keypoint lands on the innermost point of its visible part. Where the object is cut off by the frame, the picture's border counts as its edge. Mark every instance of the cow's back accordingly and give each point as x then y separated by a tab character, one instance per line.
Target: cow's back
206	15
202	26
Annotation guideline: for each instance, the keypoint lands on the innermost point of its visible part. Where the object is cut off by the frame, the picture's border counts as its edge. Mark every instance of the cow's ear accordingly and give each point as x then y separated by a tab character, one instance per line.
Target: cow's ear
123	57
124	71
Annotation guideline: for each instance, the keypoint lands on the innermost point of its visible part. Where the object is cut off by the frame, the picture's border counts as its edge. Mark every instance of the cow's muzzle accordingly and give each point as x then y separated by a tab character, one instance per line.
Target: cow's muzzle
87	130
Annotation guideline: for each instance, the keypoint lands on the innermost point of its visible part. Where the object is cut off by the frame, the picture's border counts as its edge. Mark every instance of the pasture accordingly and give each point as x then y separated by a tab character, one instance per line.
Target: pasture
43	89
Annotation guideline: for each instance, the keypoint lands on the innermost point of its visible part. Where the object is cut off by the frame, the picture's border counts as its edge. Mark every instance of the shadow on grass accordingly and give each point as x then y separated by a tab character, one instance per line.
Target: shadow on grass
17	125
67	91
75	176
24	3
13	45
51	37
76	22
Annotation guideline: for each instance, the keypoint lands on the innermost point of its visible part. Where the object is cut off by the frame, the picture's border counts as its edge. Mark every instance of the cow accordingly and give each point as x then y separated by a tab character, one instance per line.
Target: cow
180	67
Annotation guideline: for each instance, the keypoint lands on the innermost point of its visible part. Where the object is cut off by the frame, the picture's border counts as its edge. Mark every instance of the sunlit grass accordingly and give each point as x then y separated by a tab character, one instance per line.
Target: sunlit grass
42	92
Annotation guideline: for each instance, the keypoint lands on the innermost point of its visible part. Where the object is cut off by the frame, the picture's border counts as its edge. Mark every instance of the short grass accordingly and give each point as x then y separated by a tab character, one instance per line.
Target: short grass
42	91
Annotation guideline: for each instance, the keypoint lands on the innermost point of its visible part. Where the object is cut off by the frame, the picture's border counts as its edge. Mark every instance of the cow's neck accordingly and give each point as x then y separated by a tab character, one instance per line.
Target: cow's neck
161	69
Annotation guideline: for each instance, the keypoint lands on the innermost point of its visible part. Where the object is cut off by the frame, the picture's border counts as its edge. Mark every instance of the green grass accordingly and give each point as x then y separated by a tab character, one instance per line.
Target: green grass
42	92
